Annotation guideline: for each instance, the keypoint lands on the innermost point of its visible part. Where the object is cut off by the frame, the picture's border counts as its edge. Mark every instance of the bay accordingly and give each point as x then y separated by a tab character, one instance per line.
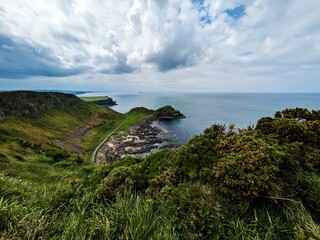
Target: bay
204	109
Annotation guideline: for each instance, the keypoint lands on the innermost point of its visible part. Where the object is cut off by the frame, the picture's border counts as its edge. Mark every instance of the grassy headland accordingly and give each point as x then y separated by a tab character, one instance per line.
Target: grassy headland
256	183
100	100
93	99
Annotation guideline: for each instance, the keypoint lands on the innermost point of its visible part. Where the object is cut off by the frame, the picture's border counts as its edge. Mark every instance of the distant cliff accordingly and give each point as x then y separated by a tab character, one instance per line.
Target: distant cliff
106	102
27	103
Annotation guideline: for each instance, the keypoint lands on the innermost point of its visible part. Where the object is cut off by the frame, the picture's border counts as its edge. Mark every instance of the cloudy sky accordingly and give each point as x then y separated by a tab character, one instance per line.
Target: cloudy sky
166	45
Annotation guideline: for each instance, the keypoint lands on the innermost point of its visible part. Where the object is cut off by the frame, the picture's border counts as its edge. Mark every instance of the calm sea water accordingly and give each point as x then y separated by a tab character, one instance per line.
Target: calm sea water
204	109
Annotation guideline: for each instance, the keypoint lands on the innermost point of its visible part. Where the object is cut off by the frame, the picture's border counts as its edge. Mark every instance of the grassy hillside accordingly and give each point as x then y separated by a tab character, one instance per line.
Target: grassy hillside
45	141
37	118
256	183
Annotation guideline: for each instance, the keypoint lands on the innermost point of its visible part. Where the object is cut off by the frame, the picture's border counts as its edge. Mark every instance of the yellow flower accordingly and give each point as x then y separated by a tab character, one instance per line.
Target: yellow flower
73	181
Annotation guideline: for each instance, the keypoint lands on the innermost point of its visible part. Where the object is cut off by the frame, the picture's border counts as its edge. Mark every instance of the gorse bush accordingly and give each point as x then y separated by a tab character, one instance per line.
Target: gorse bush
247	168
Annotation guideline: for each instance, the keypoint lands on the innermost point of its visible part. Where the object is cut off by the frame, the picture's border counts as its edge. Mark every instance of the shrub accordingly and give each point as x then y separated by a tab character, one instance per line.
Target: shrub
290	130
197	210
297	113
56	154
286	130
167	178
247	168
116	182
266	125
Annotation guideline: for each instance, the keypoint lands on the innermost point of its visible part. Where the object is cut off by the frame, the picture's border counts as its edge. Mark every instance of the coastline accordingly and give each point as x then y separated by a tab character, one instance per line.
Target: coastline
143	138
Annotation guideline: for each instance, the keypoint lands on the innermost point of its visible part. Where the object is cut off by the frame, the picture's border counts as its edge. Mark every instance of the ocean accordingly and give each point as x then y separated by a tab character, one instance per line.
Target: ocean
204	109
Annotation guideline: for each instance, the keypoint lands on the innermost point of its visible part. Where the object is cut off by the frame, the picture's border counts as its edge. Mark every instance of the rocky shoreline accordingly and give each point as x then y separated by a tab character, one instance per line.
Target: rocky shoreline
141	140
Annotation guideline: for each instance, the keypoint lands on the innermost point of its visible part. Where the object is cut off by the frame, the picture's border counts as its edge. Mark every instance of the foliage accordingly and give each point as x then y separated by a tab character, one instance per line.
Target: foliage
247	168
116	182
255	183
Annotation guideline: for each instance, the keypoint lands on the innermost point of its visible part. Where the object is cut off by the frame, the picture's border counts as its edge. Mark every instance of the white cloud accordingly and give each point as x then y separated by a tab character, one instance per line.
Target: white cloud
193	45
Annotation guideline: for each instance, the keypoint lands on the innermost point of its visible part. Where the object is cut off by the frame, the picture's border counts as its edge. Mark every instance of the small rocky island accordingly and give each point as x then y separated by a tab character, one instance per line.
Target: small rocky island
142	139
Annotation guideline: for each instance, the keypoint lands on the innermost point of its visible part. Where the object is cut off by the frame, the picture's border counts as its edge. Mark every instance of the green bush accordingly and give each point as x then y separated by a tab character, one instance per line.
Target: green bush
117	181
56	154
166	179
196	209
247	168
297	113
286	130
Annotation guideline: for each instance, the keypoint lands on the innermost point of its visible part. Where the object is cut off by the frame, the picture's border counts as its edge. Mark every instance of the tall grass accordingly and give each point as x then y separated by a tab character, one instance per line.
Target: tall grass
133	217
74	212
288	221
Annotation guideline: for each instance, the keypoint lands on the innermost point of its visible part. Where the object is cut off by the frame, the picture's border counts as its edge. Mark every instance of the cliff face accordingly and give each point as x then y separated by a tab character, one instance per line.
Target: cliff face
27	103
106	102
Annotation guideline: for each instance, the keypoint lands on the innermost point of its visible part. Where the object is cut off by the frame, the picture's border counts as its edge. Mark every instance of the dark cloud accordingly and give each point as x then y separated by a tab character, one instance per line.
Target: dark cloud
120	66
179	53
123	68
21	59
119	69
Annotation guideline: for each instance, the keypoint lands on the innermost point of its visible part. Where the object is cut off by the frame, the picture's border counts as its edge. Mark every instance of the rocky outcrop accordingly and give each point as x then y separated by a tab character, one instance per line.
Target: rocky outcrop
28	103
168	112
163	113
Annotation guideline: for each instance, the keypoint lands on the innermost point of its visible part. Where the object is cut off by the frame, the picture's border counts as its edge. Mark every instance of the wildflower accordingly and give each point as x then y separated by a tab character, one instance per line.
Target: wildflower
73	181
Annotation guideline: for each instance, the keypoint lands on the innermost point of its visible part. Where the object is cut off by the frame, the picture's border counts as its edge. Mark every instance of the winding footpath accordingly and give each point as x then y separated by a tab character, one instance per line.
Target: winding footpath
95	151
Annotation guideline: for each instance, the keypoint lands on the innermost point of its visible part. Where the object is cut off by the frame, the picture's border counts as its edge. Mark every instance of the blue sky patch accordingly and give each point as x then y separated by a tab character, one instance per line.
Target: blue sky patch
199	5
205	19
237	12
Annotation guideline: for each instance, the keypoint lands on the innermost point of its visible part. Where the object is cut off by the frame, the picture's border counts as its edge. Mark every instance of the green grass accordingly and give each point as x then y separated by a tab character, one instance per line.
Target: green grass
93	99
43	204
133	119
100	133
47	193
37	199
90	121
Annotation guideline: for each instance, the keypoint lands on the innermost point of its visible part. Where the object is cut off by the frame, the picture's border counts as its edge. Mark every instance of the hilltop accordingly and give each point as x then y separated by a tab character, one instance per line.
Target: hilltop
27	103
163	113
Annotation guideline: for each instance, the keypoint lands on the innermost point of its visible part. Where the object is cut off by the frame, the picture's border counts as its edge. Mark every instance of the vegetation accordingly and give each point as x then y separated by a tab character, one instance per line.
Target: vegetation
76	127
168	112
254	183
103	101
93	99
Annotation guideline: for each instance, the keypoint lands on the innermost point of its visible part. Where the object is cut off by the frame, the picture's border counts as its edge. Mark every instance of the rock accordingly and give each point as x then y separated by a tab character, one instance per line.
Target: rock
168	112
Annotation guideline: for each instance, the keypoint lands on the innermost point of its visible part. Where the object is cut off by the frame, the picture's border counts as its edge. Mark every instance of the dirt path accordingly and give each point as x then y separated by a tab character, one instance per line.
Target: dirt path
94	153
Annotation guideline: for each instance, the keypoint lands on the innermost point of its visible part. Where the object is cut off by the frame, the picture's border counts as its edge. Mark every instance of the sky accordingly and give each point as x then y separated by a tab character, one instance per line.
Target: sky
160	45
